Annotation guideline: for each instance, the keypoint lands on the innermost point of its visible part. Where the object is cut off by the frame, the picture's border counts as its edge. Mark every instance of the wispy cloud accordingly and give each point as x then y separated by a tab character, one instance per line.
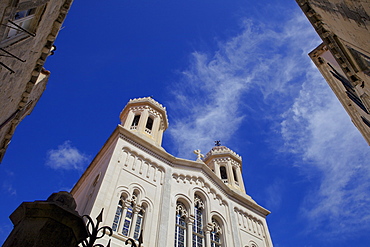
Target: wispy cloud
317	128
66	157
9	188
7	184
274	197
211	89
309	120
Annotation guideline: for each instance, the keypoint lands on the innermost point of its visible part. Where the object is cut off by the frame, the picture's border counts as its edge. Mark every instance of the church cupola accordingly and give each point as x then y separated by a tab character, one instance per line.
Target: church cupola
146	118
227	165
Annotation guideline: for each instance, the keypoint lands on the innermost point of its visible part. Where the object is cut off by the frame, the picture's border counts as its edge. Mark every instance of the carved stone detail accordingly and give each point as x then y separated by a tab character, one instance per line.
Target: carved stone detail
250	223
180	178
138	164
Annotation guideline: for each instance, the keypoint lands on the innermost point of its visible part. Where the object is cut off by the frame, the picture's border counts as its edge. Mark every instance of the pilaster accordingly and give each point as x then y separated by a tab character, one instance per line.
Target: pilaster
143	119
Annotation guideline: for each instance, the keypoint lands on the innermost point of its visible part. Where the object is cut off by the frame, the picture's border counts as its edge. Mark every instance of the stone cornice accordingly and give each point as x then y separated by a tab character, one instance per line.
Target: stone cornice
222	151
152	103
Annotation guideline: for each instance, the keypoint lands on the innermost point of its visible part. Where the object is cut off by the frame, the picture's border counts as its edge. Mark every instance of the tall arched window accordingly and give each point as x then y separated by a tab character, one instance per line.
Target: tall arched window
149	125
117	216
198	234
215	234
235	176
135	122
223	174
128	219
180	226
139	224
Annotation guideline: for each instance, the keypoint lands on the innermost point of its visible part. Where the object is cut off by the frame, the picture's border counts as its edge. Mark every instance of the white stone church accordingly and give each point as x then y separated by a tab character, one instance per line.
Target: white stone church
167	201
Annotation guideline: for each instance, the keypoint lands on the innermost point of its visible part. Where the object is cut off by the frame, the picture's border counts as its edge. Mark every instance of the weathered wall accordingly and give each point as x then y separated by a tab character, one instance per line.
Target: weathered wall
22	56
344	26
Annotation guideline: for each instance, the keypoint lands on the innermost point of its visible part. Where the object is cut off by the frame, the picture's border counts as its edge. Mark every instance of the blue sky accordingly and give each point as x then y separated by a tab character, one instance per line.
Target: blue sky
235	71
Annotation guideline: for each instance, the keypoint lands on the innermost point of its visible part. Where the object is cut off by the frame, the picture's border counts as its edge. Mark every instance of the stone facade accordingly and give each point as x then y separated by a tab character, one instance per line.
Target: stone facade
169	201
27	32
47	223
344	56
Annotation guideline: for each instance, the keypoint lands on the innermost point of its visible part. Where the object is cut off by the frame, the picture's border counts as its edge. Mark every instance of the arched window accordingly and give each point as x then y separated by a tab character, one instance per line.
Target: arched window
117	216
198	235
180	225
223	174
216	234
128	219
135	122
149	125
252	244
139	224
235	175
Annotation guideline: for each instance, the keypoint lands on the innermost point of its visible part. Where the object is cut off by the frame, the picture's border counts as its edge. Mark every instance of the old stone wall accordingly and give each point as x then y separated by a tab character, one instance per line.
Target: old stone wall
24	48
344	26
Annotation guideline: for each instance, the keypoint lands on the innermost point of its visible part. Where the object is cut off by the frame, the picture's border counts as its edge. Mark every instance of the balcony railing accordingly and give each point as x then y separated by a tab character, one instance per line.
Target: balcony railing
148	131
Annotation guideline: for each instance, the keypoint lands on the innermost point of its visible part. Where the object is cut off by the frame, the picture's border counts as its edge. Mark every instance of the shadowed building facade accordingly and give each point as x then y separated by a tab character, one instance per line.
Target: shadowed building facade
27	32
344	56
169	201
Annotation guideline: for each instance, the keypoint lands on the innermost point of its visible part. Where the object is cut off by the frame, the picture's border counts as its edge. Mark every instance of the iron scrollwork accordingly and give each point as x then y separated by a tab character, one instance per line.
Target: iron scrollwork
93	231
133	242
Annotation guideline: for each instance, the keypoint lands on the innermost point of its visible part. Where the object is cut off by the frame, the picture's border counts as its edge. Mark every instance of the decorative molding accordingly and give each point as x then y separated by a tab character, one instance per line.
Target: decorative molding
222	150
134	162
226	160
186	179
250	223
146	99
181	209
146	150
153	111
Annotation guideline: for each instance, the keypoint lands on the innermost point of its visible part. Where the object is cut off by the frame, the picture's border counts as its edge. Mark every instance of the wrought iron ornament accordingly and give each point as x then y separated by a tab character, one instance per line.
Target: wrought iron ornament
133	242
218	143
93	231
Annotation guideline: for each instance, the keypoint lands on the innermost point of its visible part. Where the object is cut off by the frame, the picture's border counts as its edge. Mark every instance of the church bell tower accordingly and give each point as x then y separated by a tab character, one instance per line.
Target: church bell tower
227	165
146	118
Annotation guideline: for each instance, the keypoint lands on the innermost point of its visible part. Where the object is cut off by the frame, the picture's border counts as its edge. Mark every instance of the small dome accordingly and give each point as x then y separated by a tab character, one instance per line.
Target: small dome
222	151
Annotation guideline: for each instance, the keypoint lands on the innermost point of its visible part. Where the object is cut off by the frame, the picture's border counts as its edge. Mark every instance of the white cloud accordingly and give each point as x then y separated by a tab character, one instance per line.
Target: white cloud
212	87
8	188
66	157
317	128
310	121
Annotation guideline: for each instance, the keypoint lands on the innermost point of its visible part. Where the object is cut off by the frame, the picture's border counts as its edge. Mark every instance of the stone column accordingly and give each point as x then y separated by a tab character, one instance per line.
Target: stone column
207	236
159	136
136	210
155	127
143	119
128	121
240	178
230	174
189	231
47	223
217	168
